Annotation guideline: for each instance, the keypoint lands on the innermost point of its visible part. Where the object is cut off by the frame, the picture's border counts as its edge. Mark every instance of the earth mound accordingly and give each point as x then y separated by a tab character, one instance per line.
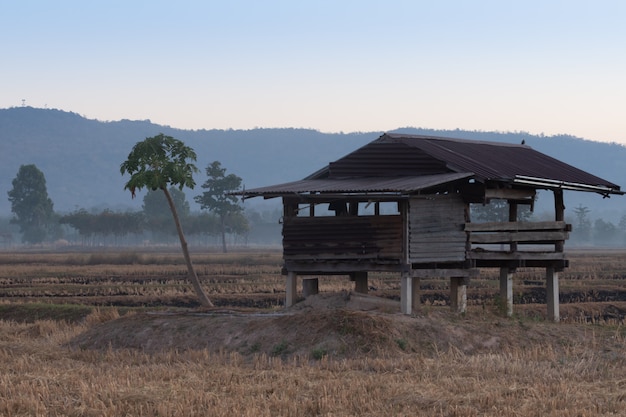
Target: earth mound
338	325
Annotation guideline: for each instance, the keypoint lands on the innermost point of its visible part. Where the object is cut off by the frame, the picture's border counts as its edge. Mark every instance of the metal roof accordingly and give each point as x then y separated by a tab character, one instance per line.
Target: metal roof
409	163
398	154
404	184
497	161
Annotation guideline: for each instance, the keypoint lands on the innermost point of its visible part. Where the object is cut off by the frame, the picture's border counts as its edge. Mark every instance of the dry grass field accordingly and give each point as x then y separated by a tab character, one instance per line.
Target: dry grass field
120	334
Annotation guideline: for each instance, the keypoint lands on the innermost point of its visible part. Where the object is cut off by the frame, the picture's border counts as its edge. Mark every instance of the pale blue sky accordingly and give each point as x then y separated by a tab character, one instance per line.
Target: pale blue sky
541	66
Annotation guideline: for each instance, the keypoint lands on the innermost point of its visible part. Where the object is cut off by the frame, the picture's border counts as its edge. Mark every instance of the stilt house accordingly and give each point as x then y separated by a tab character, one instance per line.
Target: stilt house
402	204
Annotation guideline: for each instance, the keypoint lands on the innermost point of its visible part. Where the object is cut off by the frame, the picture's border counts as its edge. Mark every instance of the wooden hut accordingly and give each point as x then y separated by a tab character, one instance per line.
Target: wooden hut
402	204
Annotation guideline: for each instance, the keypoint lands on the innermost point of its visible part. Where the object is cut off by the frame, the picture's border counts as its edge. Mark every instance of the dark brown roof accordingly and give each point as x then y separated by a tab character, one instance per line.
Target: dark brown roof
428	154
412	156
404	184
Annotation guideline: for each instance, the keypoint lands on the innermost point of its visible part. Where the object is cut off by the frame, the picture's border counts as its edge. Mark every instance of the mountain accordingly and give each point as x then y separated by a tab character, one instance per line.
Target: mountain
80	157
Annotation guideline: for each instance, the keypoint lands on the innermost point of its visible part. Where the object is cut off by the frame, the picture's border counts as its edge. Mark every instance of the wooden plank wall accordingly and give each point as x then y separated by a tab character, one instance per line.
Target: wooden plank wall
436	229
344	237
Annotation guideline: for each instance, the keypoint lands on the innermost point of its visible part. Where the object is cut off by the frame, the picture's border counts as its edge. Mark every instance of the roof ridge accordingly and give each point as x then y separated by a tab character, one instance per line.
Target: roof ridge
450	139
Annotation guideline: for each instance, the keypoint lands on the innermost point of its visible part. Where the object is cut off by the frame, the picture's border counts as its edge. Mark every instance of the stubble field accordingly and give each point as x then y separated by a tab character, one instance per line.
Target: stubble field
110	333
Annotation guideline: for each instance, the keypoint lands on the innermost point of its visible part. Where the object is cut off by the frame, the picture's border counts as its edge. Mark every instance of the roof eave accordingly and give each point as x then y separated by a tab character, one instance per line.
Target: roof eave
604	190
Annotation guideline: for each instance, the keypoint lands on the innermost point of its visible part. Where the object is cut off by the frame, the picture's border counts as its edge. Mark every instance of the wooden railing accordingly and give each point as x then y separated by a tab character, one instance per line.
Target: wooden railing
515	240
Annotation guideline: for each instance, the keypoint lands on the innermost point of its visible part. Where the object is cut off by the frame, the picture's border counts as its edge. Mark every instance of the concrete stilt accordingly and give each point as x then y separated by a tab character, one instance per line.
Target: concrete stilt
506	290
291	296
458	294
552	294
415	299
406	293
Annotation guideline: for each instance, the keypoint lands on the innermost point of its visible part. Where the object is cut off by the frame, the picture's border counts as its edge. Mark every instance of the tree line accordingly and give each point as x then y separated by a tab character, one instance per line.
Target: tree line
221	215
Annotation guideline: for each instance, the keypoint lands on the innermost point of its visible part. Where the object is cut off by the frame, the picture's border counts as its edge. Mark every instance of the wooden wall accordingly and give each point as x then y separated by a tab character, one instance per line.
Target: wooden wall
344	237
436	229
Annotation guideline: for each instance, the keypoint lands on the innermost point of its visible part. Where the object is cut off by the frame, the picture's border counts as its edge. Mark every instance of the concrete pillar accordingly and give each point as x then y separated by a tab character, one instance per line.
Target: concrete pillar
552	294
506	290
360	282
310	286
291	296
415	299
458	294
406	293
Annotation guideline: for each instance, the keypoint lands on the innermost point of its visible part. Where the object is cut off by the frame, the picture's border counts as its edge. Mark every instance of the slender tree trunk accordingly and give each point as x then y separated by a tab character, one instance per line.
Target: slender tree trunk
204	300
223	225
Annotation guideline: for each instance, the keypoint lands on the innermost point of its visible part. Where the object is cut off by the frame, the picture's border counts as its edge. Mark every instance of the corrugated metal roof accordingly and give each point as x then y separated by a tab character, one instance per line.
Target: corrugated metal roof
408	163
404	184
496	161
387	159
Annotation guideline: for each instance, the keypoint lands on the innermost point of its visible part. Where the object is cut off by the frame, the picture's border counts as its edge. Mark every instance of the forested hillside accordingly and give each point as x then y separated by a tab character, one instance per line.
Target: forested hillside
81	157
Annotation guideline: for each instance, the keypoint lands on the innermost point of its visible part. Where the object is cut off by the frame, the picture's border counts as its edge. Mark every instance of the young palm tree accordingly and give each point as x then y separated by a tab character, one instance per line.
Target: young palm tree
157	163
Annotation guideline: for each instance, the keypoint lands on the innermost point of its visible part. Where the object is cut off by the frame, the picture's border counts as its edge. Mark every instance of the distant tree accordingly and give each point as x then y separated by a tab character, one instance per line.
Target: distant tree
104	224
604	232
158	215
217	200
583	223
622	227
31	205
203	224
156	163
82	221
498	211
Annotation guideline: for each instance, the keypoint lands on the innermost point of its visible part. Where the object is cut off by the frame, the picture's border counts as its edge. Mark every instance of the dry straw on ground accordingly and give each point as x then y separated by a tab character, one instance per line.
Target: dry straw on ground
512	369
333	355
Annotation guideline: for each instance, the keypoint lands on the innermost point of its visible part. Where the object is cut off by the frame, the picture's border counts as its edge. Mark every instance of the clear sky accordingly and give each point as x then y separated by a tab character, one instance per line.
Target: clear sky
540	66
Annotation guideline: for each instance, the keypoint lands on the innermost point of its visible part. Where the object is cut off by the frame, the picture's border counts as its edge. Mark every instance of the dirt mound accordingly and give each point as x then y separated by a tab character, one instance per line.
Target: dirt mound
339	325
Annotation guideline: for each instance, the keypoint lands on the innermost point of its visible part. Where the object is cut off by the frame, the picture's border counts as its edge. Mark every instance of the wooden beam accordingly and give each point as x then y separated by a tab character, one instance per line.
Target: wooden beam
559	215
535	256
513	218
343	267
510	194
443	273
559	206
519	237
516	226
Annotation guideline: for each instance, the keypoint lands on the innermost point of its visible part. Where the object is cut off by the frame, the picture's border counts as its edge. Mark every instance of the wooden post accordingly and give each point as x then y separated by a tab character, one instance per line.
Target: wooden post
559	215
552	294
506	290
291	293
360	282
513	218
415	299
406	293
310	286
458	294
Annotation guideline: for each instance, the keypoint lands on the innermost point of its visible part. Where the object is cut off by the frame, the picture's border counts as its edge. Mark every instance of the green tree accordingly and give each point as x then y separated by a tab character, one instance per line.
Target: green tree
33	209
157	214
104	224
156	163
217	199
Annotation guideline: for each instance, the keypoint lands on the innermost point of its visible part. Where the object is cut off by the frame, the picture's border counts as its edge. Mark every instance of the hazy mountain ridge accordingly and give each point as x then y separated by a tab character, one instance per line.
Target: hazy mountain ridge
80	157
